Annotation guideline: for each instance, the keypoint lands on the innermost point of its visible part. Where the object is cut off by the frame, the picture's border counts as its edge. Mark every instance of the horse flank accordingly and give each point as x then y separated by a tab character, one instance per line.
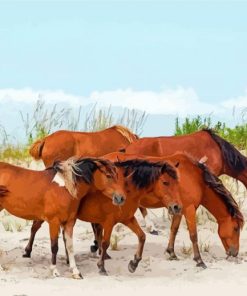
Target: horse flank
236	161
216	184
145	173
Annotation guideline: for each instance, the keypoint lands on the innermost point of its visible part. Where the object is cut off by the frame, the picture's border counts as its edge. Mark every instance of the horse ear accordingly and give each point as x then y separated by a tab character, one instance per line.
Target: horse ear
177	164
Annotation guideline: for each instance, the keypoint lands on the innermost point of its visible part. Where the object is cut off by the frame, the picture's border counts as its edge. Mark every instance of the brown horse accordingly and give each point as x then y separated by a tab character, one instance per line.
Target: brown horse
197	186
54	195
142	178
63	144
223	157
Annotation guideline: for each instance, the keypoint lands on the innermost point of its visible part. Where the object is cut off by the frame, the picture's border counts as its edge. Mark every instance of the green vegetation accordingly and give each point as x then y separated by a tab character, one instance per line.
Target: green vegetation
236	135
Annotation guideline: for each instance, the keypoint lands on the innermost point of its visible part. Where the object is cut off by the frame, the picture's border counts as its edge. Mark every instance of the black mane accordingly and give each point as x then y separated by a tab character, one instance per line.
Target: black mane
236	161
216	184
84	168
145	173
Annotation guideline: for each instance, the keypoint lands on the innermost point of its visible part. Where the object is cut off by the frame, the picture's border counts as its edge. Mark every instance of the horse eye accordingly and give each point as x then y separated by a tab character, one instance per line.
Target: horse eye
109	176
236	229
166	183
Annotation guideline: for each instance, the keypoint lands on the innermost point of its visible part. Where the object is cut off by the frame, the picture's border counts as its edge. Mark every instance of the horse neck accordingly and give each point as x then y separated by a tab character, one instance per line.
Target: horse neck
214	204
242	177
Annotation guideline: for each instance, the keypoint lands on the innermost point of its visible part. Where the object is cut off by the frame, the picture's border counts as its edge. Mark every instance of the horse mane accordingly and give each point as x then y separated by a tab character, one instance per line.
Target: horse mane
76	169
3	191
216	184
145	173
125	132
236	161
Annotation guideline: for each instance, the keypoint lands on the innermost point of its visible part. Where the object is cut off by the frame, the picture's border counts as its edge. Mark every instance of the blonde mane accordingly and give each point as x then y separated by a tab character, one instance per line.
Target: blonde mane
125	132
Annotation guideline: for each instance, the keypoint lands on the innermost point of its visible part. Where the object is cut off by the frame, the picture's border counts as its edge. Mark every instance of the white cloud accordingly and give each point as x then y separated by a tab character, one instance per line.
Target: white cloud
28	95
180	101
238	102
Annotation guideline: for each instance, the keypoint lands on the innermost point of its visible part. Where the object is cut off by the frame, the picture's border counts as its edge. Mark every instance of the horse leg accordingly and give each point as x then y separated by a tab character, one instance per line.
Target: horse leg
94	248
148	222
176	220
104	246
68	237
98	238
35	227
54	227
190	216
135	227
66	252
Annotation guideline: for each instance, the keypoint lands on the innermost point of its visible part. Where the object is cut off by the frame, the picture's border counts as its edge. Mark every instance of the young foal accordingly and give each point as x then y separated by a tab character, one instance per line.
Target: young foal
141	178
41	195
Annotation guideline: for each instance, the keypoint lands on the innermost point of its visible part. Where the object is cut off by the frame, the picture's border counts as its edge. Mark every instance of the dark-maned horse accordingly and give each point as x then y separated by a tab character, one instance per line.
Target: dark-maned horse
197	186
223	157
54	195
142	178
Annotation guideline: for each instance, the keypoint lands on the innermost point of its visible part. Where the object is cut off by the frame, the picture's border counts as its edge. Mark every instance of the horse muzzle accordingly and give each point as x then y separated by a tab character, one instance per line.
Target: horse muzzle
118	200
174	209
232	252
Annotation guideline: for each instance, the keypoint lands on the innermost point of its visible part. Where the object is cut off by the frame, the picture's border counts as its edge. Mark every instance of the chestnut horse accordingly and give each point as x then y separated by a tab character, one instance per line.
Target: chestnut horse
223	157
197	186
54	195
142	178
63	144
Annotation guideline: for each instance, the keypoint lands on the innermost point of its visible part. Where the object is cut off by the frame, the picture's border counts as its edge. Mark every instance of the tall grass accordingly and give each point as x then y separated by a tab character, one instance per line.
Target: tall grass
45	119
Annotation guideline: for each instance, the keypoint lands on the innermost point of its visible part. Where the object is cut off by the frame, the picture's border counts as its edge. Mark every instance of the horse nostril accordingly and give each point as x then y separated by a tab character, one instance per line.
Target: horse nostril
118	199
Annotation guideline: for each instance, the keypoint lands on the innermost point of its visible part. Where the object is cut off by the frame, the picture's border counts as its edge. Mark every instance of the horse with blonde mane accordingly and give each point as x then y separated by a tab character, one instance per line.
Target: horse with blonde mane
54	195
64	144
142	178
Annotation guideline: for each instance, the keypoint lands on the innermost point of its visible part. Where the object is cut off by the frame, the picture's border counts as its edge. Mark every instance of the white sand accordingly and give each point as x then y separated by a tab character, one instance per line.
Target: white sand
155	274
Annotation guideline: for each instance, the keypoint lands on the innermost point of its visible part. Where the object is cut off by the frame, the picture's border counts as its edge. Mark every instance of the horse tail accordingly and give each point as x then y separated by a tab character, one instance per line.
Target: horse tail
3	191
126	133
236	161
36	149
217	186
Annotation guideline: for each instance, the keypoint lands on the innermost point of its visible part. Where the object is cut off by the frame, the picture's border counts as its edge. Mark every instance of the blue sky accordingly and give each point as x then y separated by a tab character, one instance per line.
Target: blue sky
194	51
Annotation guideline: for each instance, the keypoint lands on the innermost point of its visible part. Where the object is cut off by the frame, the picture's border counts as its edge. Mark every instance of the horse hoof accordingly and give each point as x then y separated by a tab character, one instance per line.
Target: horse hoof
103	272
93	249
132	267
77	276
201	264
173	257
154	232
26	255
55	273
